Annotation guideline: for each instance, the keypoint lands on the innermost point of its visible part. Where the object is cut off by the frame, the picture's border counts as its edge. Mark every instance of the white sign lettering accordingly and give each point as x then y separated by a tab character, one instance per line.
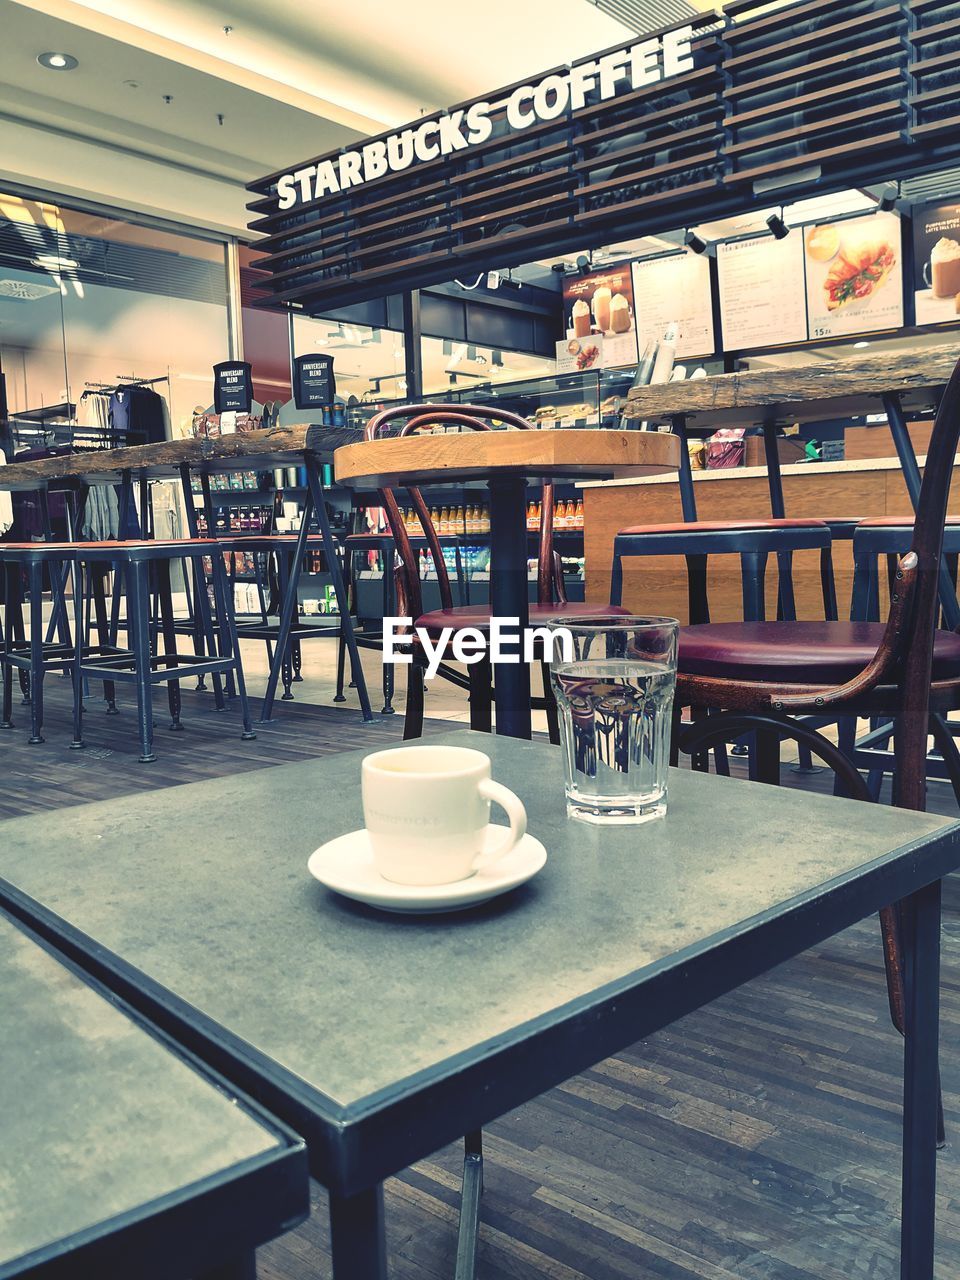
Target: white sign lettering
657	58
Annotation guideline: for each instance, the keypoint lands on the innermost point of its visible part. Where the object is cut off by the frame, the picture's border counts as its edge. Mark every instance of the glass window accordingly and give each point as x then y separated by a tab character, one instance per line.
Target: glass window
368	362
89	300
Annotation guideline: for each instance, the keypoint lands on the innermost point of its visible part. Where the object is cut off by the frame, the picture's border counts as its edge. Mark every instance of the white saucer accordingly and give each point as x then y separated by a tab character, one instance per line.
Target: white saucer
346	866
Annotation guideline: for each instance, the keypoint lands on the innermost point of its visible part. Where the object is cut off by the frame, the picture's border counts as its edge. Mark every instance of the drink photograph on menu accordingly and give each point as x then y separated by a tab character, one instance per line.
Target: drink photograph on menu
600	305
936	263
675	287
762	301
854	275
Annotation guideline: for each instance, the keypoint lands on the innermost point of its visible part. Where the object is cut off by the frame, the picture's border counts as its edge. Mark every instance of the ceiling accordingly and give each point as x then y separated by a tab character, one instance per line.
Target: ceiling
290	80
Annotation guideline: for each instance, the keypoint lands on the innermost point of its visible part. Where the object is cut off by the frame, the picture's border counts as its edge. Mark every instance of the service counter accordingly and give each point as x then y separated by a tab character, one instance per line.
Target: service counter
868	487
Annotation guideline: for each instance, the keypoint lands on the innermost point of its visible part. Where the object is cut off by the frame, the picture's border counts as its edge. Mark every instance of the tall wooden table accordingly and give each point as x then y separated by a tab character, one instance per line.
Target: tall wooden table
505	460
898	384
307	446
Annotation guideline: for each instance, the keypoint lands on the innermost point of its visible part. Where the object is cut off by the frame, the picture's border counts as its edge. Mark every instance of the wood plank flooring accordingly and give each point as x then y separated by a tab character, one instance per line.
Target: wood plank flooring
756	1139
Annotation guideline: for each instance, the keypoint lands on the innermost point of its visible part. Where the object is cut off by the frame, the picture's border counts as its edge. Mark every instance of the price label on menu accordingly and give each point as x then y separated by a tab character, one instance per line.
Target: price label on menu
232	386
762	297
675	288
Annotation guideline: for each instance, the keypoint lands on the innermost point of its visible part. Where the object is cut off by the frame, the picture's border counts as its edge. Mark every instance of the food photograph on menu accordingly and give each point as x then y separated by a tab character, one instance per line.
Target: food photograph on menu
599	305
675	287
854	274
936	263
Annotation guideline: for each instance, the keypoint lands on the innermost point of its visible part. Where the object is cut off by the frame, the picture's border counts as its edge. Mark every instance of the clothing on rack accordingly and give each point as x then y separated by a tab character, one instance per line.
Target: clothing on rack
139	409
93	410
101	516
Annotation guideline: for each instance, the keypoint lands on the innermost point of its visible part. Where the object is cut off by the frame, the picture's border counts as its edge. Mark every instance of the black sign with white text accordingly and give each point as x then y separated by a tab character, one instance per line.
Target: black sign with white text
313	382
232	387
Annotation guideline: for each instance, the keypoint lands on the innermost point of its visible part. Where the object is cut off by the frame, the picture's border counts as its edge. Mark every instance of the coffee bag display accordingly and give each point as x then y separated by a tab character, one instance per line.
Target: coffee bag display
936	263
232	386
599	314
854	275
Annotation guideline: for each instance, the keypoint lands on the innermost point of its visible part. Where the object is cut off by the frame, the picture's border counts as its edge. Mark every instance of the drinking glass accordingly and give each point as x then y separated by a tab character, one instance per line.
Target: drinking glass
614	690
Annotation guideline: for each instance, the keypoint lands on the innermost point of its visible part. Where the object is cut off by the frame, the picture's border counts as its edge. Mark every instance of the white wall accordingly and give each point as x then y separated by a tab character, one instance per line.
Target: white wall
71	166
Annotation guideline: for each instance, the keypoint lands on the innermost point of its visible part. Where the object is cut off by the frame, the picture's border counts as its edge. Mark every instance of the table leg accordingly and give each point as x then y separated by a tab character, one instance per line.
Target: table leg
920	918
288	603
911	475
508	598
332	552
688	500
466	1265
357	1236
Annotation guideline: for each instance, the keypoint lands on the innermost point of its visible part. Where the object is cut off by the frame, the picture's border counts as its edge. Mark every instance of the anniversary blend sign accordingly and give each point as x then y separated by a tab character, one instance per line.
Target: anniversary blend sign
644	63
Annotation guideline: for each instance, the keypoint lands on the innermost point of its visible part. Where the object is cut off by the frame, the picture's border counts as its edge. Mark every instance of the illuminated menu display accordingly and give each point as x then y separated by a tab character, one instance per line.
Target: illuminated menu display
854	271
675	288
762	295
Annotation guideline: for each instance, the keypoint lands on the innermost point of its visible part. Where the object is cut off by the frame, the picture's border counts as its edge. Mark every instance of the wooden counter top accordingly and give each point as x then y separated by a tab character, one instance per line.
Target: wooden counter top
829	389
477	455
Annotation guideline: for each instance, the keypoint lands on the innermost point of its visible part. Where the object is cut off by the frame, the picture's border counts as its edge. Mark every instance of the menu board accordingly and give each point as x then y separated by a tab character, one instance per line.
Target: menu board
600	305
854	272
936	263
762	302
313	382
675	288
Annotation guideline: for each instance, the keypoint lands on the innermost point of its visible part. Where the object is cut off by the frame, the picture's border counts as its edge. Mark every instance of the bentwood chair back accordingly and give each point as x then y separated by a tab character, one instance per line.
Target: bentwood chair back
551	598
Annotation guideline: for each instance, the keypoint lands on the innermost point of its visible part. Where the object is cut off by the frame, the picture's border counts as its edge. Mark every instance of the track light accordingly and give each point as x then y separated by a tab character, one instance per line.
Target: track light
889	197
778	227
695	243
583	264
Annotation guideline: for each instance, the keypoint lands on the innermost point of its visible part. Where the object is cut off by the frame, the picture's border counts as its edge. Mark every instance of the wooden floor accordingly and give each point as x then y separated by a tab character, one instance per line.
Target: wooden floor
757	1139
51	775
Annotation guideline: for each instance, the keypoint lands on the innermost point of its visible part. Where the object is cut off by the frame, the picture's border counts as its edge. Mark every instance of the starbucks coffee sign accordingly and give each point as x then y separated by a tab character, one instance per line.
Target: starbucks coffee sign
645	63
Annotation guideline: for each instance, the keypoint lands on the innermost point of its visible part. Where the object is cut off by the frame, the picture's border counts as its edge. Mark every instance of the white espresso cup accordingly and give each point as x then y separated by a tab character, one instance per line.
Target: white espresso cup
427	810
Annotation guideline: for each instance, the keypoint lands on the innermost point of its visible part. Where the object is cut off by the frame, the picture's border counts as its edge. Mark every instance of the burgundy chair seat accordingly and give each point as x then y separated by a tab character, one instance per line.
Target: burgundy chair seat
720	526
478	615
795	652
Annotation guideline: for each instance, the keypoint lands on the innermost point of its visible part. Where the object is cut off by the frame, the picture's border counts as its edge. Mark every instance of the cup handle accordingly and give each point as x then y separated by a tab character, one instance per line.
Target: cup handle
513	807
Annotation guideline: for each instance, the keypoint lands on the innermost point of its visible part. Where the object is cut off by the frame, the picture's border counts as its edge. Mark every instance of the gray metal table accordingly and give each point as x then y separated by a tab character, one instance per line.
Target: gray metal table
120	1157
381	1038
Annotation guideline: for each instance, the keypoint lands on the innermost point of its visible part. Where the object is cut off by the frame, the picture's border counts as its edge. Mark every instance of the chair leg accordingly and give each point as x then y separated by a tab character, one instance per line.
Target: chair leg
768	757
79	636
230	646
8	606
553	721
36	652
99	573
168	628
138	624
413	716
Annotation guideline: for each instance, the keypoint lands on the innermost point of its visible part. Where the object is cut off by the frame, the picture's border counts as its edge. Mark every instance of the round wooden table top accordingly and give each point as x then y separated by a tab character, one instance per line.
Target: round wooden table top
483	455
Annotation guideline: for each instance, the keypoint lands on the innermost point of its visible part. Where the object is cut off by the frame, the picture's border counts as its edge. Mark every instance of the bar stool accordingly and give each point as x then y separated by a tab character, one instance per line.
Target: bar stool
31	654
140	665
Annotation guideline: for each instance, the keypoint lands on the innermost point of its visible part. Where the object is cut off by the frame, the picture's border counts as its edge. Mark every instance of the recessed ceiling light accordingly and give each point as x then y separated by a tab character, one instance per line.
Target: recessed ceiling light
57	61
861	344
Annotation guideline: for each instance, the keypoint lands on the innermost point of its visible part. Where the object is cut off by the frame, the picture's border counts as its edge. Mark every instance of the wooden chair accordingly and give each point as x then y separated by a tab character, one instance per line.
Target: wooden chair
764	675
551	597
